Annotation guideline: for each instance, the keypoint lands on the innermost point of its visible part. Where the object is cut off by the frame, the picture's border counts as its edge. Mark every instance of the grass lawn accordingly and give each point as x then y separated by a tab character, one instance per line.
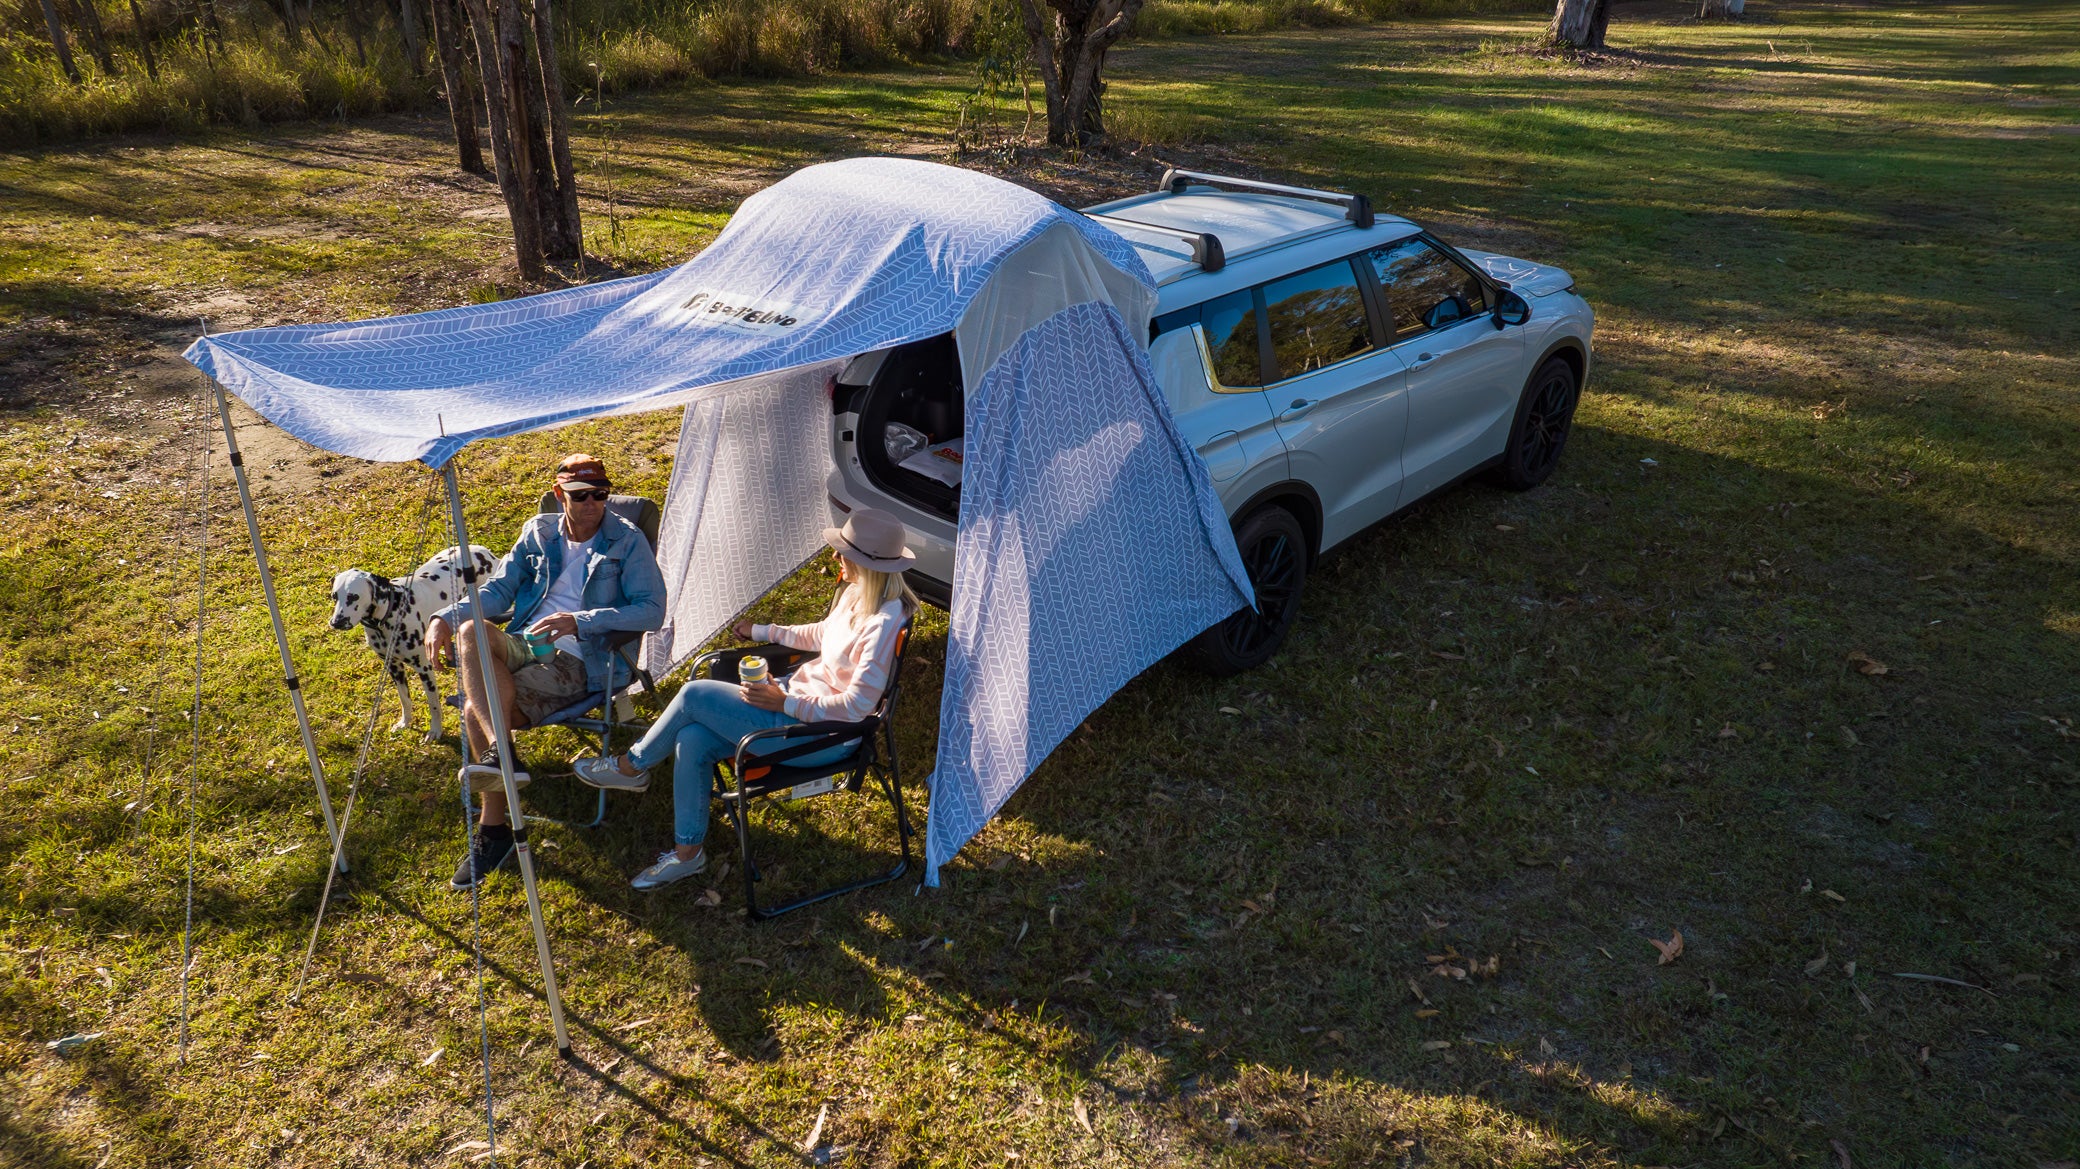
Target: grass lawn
1784	658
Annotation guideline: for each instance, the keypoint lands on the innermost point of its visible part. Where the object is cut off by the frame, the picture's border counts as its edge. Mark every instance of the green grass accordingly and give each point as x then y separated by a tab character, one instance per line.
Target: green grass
1832	254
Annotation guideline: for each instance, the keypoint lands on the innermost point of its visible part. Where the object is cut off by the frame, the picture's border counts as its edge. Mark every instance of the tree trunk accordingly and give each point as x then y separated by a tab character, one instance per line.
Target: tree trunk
57	31
1579	24
564	234
462	96
505	99
1070	56
414	36
356	18
144	42
286	9
97	37
212	24
1713	10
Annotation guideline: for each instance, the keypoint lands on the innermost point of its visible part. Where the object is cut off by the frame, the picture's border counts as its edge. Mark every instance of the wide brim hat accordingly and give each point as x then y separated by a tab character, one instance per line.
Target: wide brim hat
872	538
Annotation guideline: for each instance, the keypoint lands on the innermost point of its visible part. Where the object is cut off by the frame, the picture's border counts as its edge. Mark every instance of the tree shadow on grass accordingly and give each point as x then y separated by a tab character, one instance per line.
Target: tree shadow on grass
1668	629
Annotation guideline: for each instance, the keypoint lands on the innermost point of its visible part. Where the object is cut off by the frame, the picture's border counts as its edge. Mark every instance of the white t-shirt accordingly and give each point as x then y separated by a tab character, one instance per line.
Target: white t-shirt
567	593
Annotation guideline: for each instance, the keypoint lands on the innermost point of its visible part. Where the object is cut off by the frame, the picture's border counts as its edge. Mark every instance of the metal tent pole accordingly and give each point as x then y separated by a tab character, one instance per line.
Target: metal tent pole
497	715
281	635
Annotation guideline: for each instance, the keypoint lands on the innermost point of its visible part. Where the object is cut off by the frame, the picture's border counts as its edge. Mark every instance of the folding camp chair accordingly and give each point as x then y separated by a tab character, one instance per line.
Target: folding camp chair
600	715
771	775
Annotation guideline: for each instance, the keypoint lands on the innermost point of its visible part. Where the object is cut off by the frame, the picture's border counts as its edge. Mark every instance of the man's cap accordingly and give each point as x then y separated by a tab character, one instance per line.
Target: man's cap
582	470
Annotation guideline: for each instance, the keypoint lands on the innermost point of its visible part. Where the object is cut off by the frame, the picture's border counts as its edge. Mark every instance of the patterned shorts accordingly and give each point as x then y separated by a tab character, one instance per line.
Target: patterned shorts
541	686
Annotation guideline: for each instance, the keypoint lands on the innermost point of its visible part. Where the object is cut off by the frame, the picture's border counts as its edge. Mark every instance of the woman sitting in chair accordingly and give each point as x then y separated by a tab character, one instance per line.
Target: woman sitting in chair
843	683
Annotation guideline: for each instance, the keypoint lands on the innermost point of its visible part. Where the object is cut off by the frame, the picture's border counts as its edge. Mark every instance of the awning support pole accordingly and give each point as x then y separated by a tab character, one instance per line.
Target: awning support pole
281	635
497	715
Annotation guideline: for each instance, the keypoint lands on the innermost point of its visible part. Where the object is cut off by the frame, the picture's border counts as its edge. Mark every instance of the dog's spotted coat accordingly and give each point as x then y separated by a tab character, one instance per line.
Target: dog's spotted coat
393	614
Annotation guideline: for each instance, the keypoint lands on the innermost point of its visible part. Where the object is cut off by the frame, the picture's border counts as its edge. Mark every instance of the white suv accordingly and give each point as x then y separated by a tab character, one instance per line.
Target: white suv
1332	366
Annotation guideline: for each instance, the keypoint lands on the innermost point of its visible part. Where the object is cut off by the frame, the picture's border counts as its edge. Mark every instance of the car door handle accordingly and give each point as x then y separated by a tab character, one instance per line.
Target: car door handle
1423	357
1300	406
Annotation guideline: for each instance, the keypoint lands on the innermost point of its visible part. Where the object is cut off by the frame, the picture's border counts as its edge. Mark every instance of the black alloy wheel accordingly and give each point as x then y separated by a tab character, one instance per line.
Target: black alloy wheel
1274	554
1544	418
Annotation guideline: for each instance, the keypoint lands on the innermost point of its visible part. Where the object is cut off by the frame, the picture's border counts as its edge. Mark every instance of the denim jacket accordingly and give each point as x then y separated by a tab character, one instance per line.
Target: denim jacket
624	591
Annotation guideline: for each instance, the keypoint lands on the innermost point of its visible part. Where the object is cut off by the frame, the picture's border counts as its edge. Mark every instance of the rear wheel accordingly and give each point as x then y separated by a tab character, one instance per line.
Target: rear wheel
1274	553
1545	416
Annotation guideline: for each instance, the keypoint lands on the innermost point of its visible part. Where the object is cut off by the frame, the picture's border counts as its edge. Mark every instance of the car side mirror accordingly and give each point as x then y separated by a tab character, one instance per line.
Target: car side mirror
1511	309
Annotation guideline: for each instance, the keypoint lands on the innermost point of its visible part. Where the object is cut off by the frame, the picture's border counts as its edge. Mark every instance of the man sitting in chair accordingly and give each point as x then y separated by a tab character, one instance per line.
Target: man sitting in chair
570	581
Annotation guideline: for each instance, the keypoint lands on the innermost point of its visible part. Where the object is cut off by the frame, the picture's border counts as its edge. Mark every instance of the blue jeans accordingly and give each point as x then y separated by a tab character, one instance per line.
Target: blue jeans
701	726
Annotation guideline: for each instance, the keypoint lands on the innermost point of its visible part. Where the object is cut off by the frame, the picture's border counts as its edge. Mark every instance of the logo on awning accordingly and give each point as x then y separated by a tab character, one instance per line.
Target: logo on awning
737	311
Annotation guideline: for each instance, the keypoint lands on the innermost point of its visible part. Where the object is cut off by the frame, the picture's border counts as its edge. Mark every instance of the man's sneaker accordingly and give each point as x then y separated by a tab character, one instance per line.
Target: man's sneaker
489	846
483	775
670	868
605	772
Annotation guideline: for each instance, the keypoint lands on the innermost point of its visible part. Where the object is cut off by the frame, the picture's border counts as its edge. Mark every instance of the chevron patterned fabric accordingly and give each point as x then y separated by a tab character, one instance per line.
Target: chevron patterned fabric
833	261
1091	545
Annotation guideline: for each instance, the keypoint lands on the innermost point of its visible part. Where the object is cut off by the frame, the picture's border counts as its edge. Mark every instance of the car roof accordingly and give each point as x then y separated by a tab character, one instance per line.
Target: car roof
1248	224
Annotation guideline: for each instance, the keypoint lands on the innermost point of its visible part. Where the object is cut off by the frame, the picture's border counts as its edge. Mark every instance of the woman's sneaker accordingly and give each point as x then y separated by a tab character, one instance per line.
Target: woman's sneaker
489	846
670	868
605	772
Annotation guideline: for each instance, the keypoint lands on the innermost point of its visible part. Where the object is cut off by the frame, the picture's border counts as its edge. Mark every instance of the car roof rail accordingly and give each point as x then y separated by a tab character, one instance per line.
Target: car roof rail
1356	208
1206	246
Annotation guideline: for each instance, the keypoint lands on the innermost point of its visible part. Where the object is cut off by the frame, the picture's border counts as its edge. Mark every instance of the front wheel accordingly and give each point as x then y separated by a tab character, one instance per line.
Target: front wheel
1545	416
1274	553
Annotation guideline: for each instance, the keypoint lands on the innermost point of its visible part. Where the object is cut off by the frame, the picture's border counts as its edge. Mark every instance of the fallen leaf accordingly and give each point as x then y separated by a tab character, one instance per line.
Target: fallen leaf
1083	1116
1546	1048
710	898
1428	1013
752	962
1084	978
1817	964
1841	1155
1765	667
1849	738
467	1146
1671	949
1727	732
816	1132
1252	906
1418	992
1869	666
1000	862
1229	710
1437	1045
636	1024
1831	895
430	1060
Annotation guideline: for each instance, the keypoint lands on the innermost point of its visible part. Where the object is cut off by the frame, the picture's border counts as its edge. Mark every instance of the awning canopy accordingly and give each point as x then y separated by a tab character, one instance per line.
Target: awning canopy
834	261
1090	541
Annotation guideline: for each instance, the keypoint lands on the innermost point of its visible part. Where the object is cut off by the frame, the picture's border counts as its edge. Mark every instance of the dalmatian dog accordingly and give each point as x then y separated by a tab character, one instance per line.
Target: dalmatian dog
393	614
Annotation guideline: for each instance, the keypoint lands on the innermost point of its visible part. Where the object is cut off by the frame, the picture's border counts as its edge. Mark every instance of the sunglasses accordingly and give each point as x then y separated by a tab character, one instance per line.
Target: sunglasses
584	496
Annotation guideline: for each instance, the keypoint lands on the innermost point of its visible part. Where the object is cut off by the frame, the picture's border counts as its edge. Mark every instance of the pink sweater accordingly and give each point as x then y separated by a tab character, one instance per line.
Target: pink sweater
845	681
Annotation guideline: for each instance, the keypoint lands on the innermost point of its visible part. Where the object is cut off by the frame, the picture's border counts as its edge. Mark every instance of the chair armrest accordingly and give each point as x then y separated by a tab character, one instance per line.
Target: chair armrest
722	663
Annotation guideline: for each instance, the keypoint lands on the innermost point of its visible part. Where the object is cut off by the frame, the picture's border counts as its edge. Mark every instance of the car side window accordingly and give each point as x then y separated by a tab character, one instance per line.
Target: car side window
1317	318
1425	288
1231	333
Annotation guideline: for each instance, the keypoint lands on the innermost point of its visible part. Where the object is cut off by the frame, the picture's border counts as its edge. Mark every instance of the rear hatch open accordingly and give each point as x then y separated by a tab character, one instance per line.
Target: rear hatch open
910	431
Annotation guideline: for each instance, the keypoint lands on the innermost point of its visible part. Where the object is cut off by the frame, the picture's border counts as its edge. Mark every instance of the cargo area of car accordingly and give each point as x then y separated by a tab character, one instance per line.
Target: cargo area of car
910	429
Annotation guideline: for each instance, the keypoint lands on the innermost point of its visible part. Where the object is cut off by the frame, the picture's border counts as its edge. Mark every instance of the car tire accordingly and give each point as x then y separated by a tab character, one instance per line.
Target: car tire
1274	553
1545	416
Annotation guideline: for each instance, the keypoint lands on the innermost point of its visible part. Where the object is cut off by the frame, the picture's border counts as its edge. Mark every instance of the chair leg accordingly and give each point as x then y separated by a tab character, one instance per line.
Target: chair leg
889	780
